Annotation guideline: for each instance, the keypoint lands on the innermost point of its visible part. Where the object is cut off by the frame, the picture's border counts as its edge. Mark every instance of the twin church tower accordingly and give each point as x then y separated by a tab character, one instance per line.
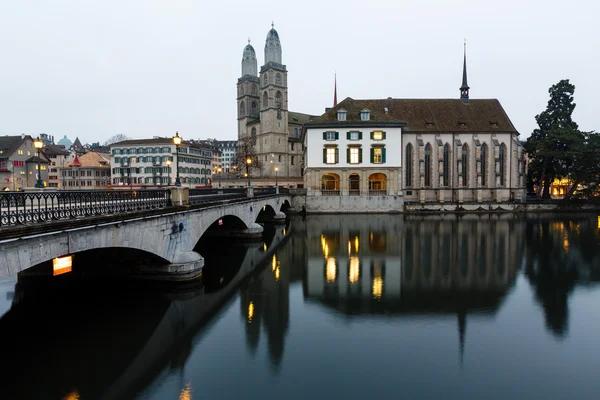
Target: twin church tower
263	115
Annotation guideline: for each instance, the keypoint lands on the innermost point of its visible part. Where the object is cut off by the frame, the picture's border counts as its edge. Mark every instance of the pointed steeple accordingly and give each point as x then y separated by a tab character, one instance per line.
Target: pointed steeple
464	89
76	162
335	90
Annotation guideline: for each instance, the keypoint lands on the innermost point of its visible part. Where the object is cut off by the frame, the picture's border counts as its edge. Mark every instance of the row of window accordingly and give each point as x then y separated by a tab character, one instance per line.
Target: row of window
353	135
142	150
464	165
152	159
153	170
353	155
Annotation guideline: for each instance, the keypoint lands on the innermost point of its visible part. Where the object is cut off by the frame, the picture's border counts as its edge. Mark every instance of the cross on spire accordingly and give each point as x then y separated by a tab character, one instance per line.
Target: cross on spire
272	24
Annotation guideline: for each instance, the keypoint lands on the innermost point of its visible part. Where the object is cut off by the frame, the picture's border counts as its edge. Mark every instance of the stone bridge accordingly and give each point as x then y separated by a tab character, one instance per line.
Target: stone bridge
169	237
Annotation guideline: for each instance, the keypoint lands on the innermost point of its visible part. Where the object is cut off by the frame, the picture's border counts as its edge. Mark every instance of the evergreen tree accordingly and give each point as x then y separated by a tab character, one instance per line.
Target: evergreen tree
555	145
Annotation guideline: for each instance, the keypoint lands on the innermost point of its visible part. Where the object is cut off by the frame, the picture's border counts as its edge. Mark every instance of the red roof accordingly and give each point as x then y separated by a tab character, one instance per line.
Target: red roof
76	162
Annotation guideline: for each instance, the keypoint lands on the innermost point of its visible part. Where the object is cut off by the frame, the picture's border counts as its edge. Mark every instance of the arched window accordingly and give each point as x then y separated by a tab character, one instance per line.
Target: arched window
253	137
409	165
484	158
503	165
354	181
278	79
330	182
377	182
278	99
242	109
265	103
265	80
428	165
446	163
254	90
254	110
465	165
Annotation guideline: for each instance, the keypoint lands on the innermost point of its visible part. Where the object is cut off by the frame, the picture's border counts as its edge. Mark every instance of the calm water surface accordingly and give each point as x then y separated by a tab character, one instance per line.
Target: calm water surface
493	307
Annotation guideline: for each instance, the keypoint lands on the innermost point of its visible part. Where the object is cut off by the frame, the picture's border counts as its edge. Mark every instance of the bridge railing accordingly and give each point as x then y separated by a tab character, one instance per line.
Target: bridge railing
260	192
211	195
18	208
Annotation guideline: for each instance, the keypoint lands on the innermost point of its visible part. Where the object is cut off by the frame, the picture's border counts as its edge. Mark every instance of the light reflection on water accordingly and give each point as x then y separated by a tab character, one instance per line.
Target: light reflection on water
414	307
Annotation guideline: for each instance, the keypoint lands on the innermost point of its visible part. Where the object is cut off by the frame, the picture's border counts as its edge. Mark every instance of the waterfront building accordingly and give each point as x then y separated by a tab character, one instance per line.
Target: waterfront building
143	162
19	163
263	115
229	156
422	151
90	171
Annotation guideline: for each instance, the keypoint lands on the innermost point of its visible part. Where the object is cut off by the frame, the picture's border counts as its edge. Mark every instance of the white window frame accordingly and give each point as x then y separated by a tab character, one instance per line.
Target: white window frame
377	133
330	155
378	155
330	135
354	135
354	155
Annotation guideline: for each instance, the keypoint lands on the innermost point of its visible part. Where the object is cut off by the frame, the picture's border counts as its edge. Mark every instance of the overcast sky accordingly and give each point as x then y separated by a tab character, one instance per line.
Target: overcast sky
150	67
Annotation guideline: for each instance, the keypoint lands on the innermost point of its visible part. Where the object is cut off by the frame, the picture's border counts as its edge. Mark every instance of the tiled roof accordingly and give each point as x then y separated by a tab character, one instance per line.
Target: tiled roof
53	149
91	159
10	144
426	115
130	142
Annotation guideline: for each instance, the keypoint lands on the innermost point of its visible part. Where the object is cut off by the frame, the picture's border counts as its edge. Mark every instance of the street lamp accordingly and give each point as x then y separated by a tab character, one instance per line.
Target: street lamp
177	140
38	144
276	171
169	172
248	164
219	172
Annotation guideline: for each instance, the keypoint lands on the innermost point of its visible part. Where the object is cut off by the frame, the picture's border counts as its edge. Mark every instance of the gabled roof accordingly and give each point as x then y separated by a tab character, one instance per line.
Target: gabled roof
53	149
426	115
10	144
91	159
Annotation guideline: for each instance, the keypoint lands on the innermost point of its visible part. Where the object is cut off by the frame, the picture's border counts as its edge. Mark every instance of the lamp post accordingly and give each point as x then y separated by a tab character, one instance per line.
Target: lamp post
276	171
177	140
39	144
169	172
248	164
219	172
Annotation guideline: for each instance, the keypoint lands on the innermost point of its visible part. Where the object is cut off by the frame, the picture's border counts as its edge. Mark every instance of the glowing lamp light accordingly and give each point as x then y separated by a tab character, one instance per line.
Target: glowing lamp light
62	265
250	311
330	270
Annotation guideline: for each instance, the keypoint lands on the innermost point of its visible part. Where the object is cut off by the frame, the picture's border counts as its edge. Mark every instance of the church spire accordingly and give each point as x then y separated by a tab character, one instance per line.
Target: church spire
335	90
464	89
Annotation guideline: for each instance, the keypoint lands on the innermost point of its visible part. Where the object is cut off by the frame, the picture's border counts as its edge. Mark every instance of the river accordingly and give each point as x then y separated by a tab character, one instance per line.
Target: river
348	306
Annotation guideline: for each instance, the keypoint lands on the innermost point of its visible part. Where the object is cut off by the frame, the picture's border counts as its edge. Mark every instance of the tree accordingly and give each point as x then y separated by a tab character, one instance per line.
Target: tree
119	137
247	150
555	145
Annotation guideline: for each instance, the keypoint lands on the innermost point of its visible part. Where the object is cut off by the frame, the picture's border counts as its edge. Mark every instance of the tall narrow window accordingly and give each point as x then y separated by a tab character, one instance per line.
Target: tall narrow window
428	165
265	80
253	137
503	165
254	91
409	165
278	99
242	109
465	164
484	156
265	103
254	113
278	78
446	162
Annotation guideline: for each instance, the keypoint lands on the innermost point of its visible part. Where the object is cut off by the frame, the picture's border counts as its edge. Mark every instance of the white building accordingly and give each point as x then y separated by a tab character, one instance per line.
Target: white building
153	162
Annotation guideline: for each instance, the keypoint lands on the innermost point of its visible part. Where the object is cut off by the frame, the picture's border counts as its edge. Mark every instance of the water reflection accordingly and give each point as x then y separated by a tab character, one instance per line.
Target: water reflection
561	252
363	268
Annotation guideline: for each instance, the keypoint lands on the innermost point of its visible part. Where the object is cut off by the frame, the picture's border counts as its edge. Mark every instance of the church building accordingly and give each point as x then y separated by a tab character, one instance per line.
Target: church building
263	115
414	154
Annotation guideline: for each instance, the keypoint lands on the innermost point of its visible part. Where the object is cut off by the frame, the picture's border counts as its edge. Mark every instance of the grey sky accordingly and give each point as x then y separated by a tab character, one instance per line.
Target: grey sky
149	67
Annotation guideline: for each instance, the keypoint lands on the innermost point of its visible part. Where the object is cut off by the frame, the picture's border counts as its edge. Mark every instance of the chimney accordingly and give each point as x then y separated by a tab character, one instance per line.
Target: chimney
327	109
22	136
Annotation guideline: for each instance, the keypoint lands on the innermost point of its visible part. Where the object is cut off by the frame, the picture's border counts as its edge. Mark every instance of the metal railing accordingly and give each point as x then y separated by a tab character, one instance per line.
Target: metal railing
354	192
377	192
330	192
23	208
19	208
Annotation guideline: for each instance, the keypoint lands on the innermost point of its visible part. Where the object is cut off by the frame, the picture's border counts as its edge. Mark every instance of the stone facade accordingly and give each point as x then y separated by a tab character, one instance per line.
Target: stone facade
263	114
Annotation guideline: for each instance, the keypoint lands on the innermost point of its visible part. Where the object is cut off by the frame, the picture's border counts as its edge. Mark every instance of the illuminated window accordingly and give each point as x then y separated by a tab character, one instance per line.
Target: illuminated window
331	155
377	155
354	155
20	152
378	135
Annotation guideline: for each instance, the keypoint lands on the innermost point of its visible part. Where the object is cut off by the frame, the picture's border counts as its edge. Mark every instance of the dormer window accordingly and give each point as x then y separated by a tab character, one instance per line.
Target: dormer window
430	124
341	114
494	124
365	114
462	124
